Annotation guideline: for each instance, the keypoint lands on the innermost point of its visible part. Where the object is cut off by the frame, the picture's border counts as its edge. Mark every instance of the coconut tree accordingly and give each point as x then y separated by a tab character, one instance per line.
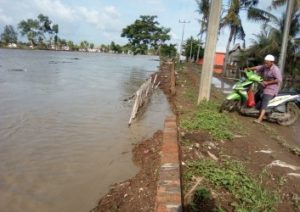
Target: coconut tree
233	20
203	10
278	3
269	40
292	7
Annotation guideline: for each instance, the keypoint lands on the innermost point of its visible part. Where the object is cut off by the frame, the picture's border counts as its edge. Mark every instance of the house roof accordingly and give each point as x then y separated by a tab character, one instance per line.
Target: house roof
235	47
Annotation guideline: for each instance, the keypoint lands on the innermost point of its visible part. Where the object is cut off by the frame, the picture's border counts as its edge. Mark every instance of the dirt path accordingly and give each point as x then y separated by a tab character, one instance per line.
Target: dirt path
263	148
291	133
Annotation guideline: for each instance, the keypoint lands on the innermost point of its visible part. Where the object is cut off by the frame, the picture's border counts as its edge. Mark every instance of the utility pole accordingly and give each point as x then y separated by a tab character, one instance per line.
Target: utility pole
182	35
210	49
191	48
289	11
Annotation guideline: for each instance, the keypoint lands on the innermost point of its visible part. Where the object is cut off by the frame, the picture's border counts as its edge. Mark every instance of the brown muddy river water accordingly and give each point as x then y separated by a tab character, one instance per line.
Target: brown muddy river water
64	136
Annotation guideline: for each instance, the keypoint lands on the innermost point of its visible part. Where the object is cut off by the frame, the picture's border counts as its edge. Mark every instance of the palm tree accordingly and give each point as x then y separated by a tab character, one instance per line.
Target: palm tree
203	10
278	3
269	40
292	7
233	20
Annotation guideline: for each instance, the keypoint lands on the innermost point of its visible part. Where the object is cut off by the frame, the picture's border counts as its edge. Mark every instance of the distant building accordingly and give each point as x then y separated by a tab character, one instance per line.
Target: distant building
182	58
219	62
12	45
234	58
65	48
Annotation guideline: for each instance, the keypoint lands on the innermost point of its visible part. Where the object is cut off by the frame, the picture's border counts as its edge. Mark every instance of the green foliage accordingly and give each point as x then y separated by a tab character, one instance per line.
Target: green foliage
191	95
72	46
232	175
145	33
9	35
201	197
191	49
30	29
37	29
92	45
84	45
202	193
269	41
169	51
207	117
203	10
116	48
233	21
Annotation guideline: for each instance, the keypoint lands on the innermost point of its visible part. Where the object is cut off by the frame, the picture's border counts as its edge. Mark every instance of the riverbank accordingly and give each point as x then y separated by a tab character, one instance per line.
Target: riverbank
213	159
266	156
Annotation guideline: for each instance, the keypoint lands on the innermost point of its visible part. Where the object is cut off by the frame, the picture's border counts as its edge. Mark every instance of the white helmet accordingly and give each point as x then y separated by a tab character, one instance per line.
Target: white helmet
270	57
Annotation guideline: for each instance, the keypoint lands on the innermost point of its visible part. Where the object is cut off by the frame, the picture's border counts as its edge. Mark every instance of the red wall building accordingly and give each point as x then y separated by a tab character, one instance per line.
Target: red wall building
219	62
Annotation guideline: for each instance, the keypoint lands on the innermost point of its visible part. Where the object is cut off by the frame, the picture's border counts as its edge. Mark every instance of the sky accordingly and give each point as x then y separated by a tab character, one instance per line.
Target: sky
102	21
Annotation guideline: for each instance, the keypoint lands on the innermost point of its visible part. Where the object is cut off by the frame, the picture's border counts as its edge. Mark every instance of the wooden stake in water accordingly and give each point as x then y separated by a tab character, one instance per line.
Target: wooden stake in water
142	95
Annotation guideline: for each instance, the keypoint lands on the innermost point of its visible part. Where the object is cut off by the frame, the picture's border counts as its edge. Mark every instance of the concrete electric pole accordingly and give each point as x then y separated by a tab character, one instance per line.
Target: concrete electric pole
289	11
191	49
210	49
183	26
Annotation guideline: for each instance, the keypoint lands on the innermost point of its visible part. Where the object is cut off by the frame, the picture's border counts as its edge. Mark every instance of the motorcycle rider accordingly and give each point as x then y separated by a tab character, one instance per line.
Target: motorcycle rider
272	79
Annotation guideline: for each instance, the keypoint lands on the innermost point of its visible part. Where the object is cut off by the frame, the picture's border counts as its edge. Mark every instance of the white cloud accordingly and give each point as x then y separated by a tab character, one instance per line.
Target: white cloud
4	19
55	8
107	19
153	2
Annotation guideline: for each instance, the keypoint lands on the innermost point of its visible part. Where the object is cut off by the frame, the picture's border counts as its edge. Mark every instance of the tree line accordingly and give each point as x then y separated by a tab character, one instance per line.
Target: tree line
145	36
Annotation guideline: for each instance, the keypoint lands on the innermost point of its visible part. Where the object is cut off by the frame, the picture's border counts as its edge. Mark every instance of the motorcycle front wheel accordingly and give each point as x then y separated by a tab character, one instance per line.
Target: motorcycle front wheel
228	105
293	113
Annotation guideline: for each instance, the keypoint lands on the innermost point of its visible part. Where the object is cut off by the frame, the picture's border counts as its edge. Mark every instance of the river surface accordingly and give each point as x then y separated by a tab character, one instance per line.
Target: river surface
64	136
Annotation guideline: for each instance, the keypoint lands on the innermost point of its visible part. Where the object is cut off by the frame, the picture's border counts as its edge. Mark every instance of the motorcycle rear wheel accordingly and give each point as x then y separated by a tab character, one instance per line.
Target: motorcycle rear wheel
228	105
293	112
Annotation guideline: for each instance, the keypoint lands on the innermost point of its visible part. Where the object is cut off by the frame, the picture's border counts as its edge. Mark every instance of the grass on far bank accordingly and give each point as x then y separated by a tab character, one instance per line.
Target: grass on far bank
220	126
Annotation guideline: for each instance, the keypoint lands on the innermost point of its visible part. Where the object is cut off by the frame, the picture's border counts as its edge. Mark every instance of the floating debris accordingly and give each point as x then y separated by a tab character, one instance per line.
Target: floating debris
58	62
17	69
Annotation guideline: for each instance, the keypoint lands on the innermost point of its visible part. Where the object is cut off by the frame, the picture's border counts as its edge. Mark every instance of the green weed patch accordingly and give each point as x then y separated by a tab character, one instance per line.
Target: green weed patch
232	176
207	117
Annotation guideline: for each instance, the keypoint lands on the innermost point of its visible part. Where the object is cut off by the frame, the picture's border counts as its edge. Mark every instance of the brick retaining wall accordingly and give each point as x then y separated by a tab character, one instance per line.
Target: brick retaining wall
169	187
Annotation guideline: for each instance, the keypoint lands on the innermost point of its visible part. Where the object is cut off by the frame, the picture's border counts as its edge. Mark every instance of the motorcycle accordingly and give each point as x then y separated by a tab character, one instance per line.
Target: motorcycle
282	109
